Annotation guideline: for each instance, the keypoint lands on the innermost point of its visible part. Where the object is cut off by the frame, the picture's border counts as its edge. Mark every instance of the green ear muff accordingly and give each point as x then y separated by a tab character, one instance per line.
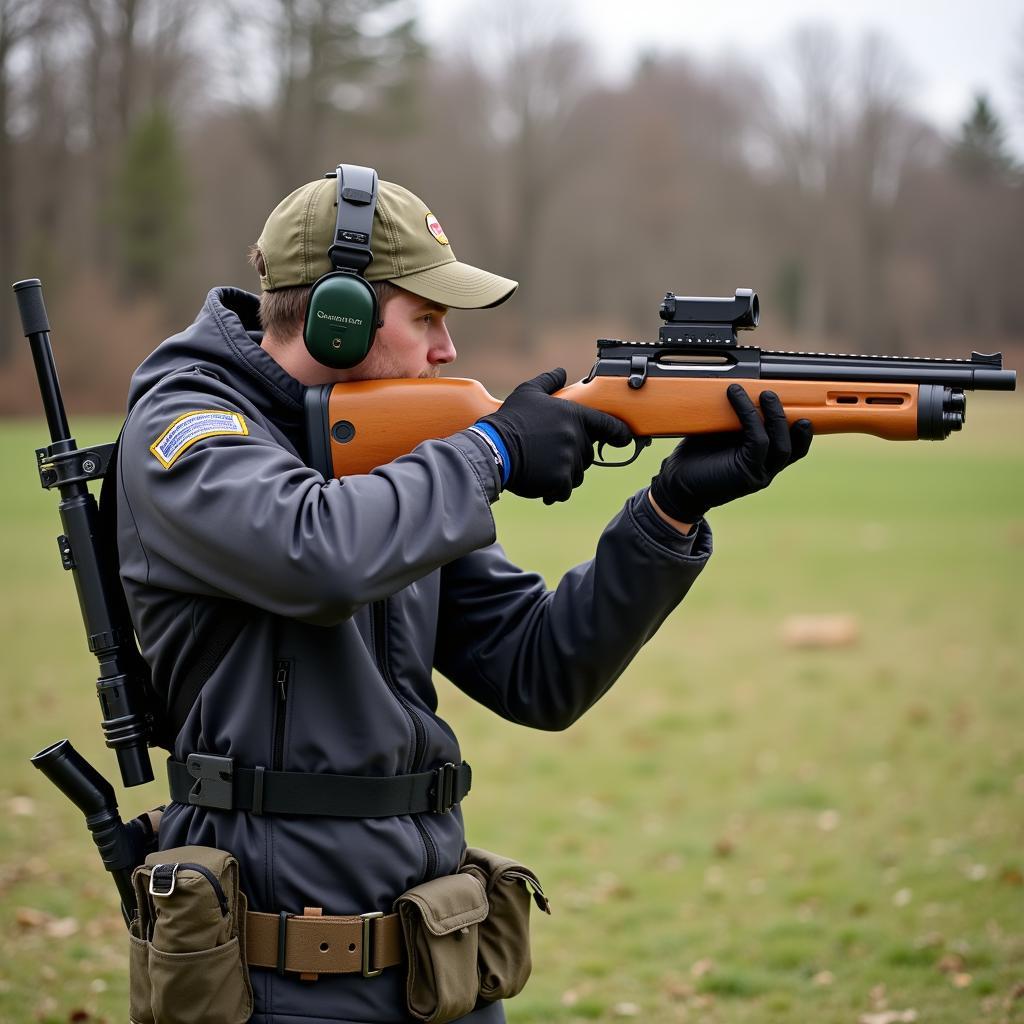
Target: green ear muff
341	319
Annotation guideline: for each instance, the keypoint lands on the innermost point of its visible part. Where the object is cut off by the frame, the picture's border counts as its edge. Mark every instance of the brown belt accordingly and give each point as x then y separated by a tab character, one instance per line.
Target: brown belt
314	943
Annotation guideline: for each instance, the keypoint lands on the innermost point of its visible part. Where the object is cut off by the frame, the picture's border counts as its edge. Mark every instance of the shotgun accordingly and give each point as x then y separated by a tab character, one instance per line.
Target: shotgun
671	387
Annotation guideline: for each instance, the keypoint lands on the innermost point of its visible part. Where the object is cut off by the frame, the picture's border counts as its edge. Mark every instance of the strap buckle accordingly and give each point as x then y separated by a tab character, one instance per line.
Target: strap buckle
160	874
367	961
444	788
214	781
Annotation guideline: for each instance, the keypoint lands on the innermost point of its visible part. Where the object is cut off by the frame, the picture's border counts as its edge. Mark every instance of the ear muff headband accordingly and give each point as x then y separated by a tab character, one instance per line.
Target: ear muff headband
341	319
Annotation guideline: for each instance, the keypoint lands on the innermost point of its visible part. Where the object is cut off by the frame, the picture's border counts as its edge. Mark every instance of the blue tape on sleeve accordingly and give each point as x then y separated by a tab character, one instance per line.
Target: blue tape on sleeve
495	438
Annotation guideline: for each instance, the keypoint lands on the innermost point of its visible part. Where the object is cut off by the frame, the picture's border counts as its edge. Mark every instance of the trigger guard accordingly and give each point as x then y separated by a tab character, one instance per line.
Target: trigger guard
639	444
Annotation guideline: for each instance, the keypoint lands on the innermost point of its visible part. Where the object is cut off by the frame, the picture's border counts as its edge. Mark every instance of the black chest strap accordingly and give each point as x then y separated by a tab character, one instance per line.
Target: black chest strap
205	780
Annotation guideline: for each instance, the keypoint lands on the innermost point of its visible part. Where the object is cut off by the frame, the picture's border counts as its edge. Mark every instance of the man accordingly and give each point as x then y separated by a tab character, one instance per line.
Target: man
315	610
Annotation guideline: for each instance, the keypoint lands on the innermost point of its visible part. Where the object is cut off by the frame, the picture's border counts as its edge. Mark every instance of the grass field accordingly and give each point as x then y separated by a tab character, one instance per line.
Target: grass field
740	831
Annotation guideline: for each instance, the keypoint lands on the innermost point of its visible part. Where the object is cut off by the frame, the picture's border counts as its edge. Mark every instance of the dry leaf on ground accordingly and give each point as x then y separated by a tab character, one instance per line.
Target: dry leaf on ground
820	631
889	1017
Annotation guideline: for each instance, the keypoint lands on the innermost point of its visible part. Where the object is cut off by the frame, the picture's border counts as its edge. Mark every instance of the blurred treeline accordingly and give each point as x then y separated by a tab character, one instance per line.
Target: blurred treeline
145	141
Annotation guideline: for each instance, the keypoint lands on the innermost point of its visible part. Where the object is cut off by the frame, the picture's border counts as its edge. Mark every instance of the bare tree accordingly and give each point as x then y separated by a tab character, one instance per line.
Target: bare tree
312	71
533	71
20	21
803	121
882	142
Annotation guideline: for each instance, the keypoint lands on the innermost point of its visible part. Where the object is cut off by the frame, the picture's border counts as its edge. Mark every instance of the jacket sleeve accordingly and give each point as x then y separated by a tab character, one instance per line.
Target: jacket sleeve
241	516
542	657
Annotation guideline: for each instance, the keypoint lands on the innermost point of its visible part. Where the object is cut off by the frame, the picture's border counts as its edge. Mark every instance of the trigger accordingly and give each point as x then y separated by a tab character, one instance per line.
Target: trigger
639	444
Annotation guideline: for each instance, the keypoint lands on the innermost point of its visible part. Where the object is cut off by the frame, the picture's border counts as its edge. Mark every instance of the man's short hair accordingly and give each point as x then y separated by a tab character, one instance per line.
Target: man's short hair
283	311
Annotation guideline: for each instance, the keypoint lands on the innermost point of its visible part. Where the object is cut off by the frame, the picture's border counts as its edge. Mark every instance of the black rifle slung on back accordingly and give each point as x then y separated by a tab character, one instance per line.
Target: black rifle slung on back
121	685
699	340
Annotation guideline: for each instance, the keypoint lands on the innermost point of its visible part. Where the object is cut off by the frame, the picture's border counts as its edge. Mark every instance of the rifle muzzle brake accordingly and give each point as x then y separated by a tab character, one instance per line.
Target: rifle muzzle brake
940	411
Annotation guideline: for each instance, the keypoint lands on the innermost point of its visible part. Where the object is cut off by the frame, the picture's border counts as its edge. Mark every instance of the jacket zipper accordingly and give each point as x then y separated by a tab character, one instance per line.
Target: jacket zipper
381	650
282	675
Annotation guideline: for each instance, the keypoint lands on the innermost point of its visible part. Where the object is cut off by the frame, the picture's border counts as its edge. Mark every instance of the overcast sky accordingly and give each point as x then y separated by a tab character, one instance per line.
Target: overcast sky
955	47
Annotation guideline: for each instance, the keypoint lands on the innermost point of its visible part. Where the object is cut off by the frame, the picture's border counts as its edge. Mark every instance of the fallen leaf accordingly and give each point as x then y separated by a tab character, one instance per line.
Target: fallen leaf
828	821
1011	875
570	997
29	917
951	963
626	1010
22	806
676	988
809	631
78	1015
961	980
889	1017
902	897
61	928
1017	992
823	978
703	966
724	847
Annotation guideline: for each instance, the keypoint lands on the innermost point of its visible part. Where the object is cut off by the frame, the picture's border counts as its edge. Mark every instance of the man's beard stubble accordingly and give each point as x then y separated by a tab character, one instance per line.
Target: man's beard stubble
381	365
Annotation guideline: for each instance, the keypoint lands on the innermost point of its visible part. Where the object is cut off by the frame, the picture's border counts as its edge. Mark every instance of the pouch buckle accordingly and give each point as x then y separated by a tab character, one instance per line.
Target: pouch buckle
367	963
214	777
444	788
161	873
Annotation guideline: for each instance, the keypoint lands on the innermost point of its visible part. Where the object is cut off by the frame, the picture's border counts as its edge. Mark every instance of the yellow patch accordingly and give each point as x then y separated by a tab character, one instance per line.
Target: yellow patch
436	230
192	427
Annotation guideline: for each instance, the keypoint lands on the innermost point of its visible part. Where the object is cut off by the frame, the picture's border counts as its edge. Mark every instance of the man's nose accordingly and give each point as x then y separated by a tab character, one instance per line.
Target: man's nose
443	351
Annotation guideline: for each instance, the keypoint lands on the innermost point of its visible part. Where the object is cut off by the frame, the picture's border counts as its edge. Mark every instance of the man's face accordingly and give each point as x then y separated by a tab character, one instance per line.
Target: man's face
414	341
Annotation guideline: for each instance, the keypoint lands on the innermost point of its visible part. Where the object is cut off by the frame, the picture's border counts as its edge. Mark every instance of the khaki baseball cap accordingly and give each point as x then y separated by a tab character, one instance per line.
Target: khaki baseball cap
410	248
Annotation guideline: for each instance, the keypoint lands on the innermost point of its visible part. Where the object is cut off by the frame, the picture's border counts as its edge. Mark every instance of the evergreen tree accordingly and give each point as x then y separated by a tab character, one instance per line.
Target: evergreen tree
149	210
981	153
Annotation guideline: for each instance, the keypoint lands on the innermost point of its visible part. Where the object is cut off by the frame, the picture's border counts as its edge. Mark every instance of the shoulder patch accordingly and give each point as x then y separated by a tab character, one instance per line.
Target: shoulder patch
192	427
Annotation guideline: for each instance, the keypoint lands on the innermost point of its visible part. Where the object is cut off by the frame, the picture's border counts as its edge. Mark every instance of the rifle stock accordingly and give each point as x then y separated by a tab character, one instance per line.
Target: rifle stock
671	387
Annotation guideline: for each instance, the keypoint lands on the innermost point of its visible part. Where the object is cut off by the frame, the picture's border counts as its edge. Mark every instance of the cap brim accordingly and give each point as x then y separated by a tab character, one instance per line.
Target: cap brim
458	285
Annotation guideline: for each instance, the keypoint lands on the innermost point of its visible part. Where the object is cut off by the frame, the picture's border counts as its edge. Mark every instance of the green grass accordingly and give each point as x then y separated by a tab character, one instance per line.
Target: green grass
739	831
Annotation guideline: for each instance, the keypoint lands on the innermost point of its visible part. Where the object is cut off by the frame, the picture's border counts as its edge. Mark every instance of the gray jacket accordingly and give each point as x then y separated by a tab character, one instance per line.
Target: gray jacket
354	590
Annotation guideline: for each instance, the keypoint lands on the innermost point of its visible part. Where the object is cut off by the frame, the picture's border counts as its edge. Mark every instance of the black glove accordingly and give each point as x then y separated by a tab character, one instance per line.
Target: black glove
550	441
712	469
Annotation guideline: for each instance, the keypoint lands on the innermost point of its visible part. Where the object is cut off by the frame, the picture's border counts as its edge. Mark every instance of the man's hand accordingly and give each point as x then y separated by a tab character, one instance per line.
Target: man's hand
550	441
712	469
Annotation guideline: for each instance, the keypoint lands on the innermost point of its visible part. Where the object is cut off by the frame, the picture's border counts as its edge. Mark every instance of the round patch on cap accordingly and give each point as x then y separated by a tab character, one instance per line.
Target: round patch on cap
436	230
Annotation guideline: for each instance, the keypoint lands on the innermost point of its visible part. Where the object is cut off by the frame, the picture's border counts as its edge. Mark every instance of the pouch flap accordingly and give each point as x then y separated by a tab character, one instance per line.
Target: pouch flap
530	880
216	860
447	904
490	867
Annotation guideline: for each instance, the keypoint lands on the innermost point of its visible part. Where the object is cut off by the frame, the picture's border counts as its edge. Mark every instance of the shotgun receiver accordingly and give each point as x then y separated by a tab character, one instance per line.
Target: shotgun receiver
669	388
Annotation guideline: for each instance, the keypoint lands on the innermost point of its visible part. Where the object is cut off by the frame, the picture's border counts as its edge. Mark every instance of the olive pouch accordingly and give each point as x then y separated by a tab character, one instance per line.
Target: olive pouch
504	940
188	944
440	922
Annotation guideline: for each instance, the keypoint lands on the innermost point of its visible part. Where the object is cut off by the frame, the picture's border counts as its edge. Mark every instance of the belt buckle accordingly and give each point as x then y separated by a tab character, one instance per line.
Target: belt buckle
444	788
214	777
163	874
367	962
